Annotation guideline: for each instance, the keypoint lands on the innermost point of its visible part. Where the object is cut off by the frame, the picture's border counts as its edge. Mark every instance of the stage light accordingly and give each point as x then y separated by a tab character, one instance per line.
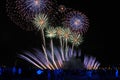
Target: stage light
89	73
14	70
39	72
19	70
116	73
0	71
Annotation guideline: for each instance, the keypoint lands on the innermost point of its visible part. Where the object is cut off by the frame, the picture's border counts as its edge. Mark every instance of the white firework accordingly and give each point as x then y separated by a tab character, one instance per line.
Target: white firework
39	59
91	63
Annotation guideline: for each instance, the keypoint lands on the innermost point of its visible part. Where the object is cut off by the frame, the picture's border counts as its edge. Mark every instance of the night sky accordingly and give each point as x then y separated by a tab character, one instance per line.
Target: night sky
13	39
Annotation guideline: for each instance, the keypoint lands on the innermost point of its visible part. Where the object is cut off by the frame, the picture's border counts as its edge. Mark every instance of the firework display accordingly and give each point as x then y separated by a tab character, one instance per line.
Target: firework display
69	28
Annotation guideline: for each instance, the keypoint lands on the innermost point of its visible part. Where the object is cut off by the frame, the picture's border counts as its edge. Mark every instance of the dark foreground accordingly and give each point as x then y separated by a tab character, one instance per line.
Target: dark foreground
36	74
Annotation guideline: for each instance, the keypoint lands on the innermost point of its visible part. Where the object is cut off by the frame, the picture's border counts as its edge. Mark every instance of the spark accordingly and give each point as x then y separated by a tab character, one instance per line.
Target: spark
62	8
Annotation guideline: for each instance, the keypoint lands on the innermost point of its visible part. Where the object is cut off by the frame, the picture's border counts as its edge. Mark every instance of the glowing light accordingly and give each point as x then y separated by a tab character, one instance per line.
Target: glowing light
39	72
0	71
116	73
14	70
19	70
61	8
36	2
89	73
77	21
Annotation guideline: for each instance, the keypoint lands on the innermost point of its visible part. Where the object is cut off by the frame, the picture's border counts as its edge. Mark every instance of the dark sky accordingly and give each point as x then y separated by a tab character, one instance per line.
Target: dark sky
13	39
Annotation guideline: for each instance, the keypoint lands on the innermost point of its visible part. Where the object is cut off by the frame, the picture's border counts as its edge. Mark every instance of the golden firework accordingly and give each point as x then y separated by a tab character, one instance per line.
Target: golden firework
76	39
51	32
41	21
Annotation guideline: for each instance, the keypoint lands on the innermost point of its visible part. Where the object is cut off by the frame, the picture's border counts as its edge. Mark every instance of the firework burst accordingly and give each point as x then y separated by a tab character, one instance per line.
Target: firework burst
59	31
77	21
50	32
66	34
41	21
29	8
76	39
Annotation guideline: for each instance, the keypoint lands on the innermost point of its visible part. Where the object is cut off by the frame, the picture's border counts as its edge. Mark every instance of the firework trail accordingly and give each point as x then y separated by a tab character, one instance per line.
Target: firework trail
51	33
41	22
39	59
46	56
66	37
59	32
91	63
76	40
